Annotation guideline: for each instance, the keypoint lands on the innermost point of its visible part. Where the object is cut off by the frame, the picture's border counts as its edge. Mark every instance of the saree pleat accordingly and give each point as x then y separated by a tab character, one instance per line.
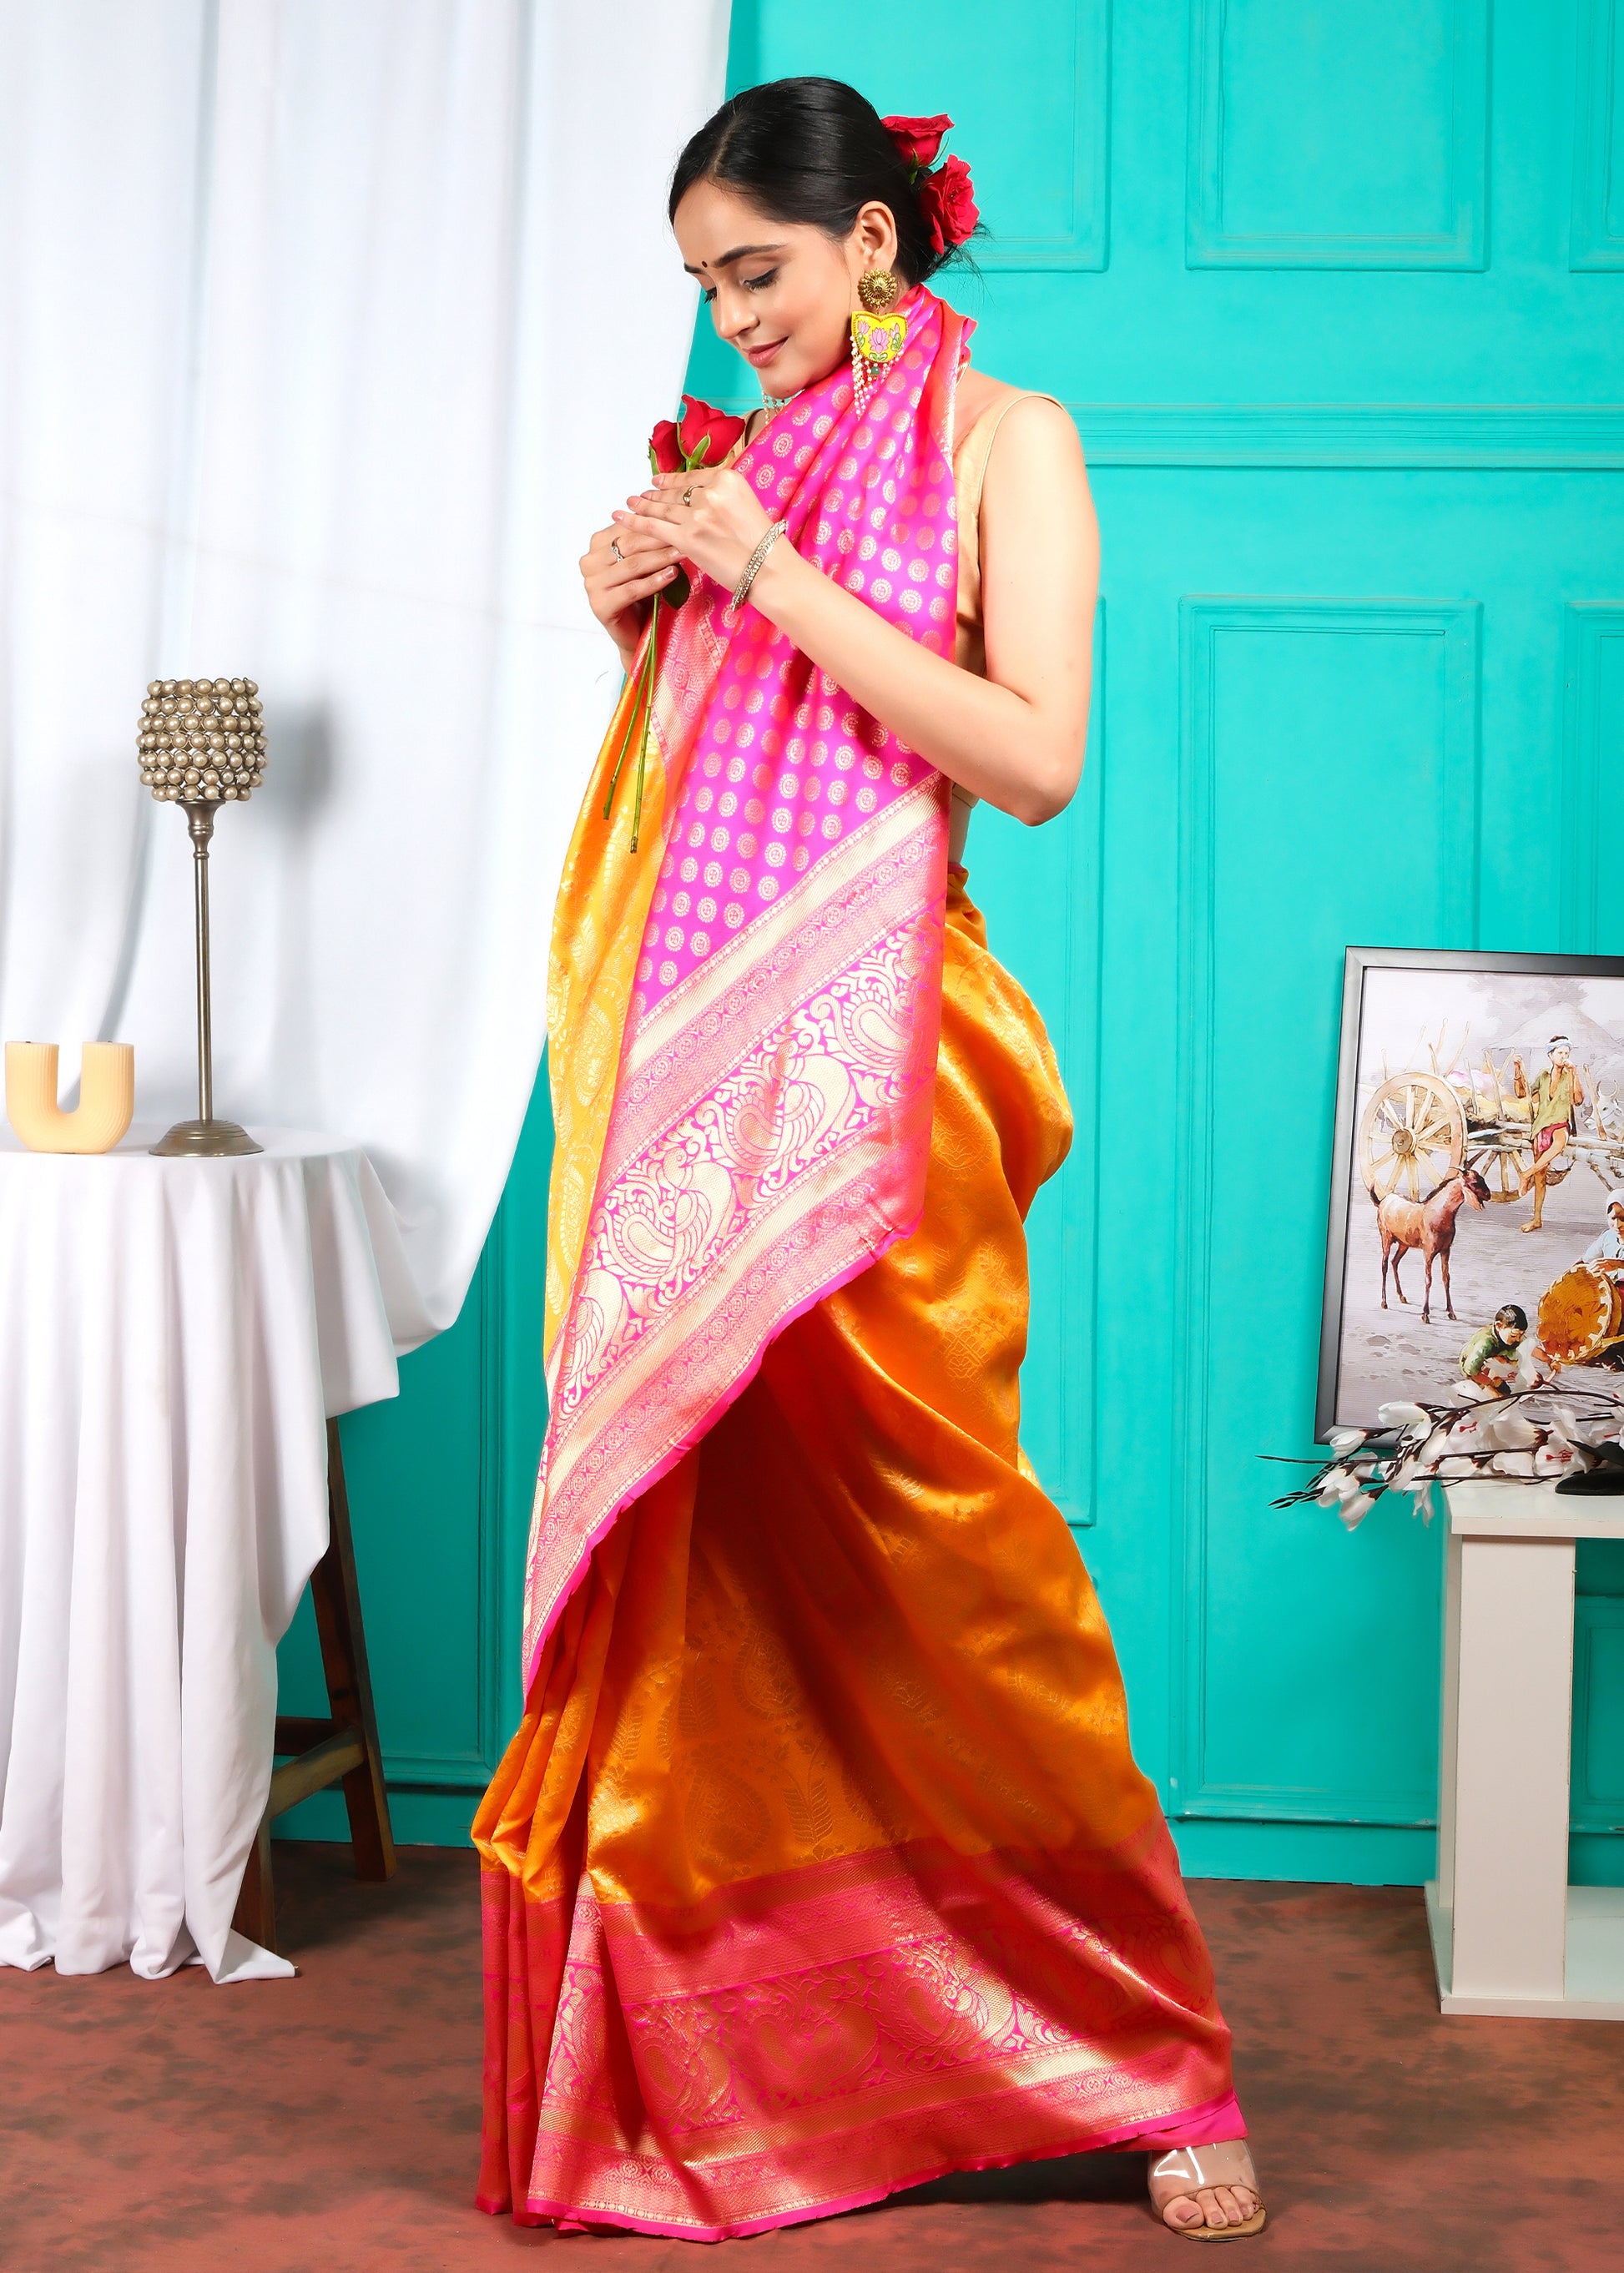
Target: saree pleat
820	1864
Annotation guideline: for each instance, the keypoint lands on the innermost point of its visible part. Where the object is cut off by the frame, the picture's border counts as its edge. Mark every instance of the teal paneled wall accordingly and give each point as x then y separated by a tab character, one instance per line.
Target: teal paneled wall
1332	293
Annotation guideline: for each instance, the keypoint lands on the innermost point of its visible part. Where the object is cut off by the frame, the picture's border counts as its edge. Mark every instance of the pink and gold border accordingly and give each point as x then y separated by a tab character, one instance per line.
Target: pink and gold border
807	2042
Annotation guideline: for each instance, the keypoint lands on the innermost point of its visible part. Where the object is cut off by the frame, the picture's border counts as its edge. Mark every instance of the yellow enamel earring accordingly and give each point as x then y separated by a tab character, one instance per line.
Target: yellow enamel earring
877	336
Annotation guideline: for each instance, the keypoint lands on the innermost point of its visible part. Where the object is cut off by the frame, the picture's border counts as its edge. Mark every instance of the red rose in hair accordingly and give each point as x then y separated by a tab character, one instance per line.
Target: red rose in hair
918	139
947	198
702	436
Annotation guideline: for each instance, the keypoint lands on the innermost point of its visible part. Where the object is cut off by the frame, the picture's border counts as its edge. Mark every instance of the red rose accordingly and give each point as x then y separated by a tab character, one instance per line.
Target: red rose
947	198
702	422
702	436
918	139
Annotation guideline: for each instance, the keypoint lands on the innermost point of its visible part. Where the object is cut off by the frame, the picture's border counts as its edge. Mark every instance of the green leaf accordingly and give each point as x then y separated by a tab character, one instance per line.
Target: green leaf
693	462
677	591
653	463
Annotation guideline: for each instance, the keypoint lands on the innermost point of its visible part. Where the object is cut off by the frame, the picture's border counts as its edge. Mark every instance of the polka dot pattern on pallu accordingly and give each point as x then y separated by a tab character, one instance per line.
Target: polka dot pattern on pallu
786	765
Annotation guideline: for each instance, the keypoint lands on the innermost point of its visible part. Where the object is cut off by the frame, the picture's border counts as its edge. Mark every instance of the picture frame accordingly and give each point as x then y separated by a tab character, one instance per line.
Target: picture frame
1438	1075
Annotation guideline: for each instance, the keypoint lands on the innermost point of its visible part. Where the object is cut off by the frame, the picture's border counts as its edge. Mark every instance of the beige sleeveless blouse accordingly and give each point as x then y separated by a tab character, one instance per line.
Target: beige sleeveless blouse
971	452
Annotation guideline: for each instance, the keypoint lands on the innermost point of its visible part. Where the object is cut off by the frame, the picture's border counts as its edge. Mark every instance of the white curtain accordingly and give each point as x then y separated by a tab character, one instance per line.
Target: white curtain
328	330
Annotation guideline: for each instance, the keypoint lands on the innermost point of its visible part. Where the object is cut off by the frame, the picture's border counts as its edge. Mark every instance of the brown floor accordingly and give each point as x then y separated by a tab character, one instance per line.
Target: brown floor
331	2122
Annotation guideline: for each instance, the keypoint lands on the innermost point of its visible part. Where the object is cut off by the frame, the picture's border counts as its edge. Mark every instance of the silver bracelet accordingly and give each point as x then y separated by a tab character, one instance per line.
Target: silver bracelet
752	568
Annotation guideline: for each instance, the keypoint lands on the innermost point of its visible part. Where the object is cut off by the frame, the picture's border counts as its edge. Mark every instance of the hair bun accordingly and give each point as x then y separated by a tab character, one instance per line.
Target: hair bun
814	152
946	193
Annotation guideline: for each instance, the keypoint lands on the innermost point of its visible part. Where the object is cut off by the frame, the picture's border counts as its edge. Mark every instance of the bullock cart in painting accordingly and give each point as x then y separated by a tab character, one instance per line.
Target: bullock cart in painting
1416	1127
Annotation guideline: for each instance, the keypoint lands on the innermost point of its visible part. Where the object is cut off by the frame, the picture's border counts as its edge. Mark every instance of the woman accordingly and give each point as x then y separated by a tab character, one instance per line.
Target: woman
819	1864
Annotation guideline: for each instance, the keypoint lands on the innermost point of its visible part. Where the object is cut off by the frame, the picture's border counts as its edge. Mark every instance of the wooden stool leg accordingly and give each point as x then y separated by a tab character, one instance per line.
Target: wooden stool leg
256	1902
343	1747
337	1601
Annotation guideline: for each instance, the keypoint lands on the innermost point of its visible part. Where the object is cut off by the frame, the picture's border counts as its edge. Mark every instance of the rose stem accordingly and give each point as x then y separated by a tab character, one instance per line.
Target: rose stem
650	668
626	738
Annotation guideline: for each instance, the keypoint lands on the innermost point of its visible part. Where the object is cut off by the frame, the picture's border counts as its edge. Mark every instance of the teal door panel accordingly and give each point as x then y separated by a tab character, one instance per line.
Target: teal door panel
417	1504
1592	776
1288	705
1596	238
440	1481
1599	1725
1332	293
1283	171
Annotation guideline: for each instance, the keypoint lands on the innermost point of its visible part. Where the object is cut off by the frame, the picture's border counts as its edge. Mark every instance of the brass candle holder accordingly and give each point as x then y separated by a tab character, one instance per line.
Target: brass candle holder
202	745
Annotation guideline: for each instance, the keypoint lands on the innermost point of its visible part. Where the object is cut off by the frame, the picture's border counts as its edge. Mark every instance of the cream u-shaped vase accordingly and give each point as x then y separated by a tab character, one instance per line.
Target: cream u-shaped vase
106	1098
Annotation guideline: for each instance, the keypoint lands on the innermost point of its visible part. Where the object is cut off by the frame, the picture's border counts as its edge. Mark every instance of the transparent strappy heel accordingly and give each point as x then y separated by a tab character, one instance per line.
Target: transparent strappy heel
1186	2169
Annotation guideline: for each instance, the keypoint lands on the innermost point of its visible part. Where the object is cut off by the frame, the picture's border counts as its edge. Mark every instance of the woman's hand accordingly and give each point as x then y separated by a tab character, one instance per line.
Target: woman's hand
718	529
622	571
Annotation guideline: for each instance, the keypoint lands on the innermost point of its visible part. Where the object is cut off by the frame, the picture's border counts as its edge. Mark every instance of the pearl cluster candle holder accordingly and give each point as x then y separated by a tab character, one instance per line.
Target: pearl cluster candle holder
202	740
201	744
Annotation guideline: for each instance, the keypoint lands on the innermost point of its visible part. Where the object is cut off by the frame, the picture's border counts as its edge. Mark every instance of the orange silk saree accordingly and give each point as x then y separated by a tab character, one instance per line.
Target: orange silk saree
819	1865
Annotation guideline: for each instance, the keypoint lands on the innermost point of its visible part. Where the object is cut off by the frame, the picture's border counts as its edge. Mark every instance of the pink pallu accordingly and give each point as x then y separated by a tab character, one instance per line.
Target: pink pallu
771	1119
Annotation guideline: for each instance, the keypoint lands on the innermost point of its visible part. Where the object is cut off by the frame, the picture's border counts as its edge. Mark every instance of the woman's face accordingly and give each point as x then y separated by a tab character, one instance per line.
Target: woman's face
781	292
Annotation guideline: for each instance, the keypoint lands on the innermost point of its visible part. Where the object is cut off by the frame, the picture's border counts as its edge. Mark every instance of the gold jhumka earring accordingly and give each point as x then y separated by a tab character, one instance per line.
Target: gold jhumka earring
877	337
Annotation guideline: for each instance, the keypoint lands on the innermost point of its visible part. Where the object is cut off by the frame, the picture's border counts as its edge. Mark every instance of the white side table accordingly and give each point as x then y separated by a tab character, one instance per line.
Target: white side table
1510	1934
174	1335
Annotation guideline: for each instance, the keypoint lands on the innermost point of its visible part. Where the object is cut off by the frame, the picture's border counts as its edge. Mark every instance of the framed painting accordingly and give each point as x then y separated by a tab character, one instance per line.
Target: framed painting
1478	1161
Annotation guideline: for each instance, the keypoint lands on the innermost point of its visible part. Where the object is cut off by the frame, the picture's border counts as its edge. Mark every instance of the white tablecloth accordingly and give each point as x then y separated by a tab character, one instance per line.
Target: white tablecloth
173	1334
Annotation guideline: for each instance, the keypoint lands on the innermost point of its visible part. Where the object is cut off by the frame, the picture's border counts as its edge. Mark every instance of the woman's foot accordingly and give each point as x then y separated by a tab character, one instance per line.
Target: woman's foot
1211	2206
1207	2194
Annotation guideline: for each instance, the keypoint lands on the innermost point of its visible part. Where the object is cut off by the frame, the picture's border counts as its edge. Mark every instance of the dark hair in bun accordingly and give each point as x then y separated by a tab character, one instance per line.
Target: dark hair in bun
810	150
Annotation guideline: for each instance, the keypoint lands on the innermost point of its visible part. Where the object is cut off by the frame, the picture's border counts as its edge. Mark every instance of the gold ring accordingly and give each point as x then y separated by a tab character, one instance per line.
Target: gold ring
614	547
688	494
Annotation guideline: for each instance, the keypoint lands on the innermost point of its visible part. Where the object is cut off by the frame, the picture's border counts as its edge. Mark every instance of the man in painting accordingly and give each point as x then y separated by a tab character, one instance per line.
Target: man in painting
1492	1357
1608	1244
1553	1109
